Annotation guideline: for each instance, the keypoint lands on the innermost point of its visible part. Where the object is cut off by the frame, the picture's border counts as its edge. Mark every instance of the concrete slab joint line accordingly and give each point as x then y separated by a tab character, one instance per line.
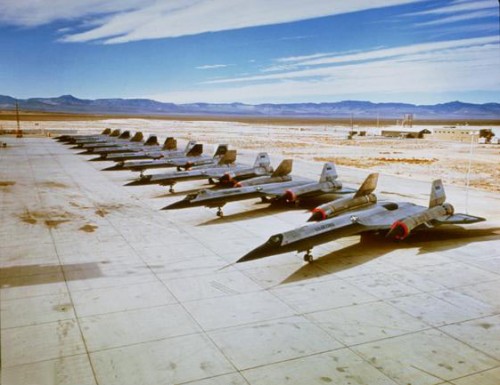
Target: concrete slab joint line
100	287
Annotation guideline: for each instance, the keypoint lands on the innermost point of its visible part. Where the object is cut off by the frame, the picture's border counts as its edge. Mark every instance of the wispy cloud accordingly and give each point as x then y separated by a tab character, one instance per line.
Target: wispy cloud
212	66
459	6
460	17
32	13
132	20
450	66
404	52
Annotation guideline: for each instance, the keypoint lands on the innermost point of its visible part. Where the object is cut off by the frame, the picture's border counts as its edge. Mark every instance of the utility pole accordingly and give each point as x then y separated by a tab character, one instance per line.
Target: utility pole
467	179
19	132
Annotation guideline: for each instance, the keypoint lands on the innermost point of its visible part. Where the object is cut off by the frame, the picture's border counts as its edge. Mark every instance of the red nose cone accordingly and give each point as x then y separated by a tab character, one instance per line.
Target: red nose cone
289	196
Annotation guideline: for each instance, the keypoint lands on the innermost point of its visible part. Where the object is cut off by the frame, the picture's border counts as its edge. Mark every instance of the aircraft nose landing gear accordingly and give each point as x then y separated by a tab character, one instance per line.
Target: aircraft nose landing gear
308	257
219	212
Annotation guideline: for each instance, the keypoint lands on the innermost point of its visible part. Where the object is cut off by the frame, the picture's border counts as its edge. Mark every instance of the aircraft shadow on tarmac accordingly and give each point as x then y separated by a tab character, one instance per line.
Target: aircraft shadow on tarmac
373	246
262	211
186	192
30	275
268	209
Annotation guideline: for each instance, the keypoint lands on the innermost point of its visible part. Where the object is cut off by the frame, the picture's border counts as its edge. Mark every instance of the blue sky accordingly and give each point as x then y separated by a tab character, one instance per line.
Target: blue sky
252	51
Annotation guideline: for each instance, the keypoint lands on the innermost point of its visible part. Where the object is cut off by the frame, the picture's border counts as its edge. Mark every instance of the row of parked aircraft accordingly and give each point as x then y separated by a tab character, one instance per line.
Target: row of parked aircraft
353	211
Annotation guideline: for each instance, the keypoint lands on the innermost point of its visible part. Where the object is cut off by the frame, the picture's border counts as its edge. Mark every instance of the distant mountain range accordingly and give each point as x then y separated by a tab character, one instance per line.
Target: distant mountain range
358	109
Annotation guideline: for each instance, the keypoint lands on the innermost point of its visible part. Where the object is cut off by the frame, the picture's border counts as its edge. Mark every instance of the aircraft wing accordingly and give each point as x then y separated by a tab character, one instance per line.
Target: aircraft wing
457	219
215	173
273	190
343	190
377	221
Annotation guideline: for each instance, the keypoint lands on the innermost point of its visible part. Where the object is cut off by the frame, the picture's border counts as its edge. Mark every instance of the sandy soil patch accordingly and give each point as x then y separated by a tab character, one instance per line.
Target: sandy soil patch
50	218
323	140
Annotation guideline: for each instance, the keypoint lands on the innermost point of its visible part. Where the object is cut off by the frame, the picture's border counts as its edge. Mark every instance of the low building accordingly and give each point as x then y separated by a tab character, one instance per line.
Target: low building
407	133
458	134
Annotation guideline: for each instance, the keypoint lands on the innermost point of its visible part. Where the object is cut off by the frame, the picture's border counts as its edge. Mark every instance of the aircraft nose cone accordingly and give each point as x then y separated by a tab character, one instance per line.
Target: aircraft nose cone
140	182
264	250
183	204
98	159
114	168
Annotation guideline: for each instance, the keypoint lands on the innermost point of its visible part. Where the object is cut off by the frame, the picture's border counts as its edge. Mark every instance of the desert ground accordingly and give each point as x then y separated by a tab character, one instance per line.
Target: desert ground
318	140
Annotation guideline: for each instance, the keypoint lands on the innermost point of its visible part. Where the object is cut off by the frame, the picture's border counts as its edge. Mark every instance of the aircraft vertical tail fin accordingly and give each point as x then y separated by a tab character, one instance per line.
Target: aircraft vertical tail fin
124	135
221	150
138	136
151	141
106	131
170	144
368	186
329	173
196	150
228	158
438	196
190	145
262	160
284	168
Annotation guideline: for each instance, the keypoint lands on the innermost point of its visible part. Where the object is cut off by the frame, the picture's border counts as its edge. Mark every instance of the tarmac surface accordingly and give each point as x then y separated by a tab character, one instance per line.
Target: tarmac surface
98	286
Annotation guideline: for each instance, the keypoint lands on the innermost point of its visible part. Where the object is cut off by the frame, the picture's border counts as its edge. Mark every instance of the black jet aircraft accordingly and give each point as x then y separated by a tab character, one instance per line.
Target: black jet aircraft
132	146
73	139
168	149
67	138
262	166
192	149
394	219
116	135
122	141
193	158
280	187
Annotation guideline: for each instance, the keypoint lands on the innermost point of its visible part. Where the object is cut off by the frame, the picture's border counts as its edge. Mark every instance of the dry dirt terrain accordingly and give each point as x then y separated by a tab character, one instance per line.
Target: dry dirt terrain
315	140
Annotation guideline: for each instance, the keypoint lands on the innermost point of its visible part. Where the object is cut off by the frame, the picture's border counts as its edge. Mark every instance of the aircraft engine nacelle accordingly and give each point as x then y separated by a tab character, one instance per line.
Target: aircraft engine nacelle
263	180
341	205
228	179
292	194
402	228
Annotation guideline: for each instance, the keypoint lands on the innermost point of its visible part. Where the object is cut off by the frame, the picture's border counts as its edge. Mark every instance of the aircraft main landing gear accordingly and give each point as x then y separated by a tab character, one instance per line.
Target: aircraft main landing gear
171	189
308	257
219	212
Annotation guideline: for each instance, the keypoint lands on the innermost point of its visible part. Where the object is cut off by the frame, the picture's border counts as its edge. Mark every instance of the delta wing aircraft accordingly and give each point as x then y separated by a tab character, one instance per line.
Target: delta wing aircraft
67	138
168	149
262	166
280	187
193	158
113	137
73	139
123	140
132	146
395	219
